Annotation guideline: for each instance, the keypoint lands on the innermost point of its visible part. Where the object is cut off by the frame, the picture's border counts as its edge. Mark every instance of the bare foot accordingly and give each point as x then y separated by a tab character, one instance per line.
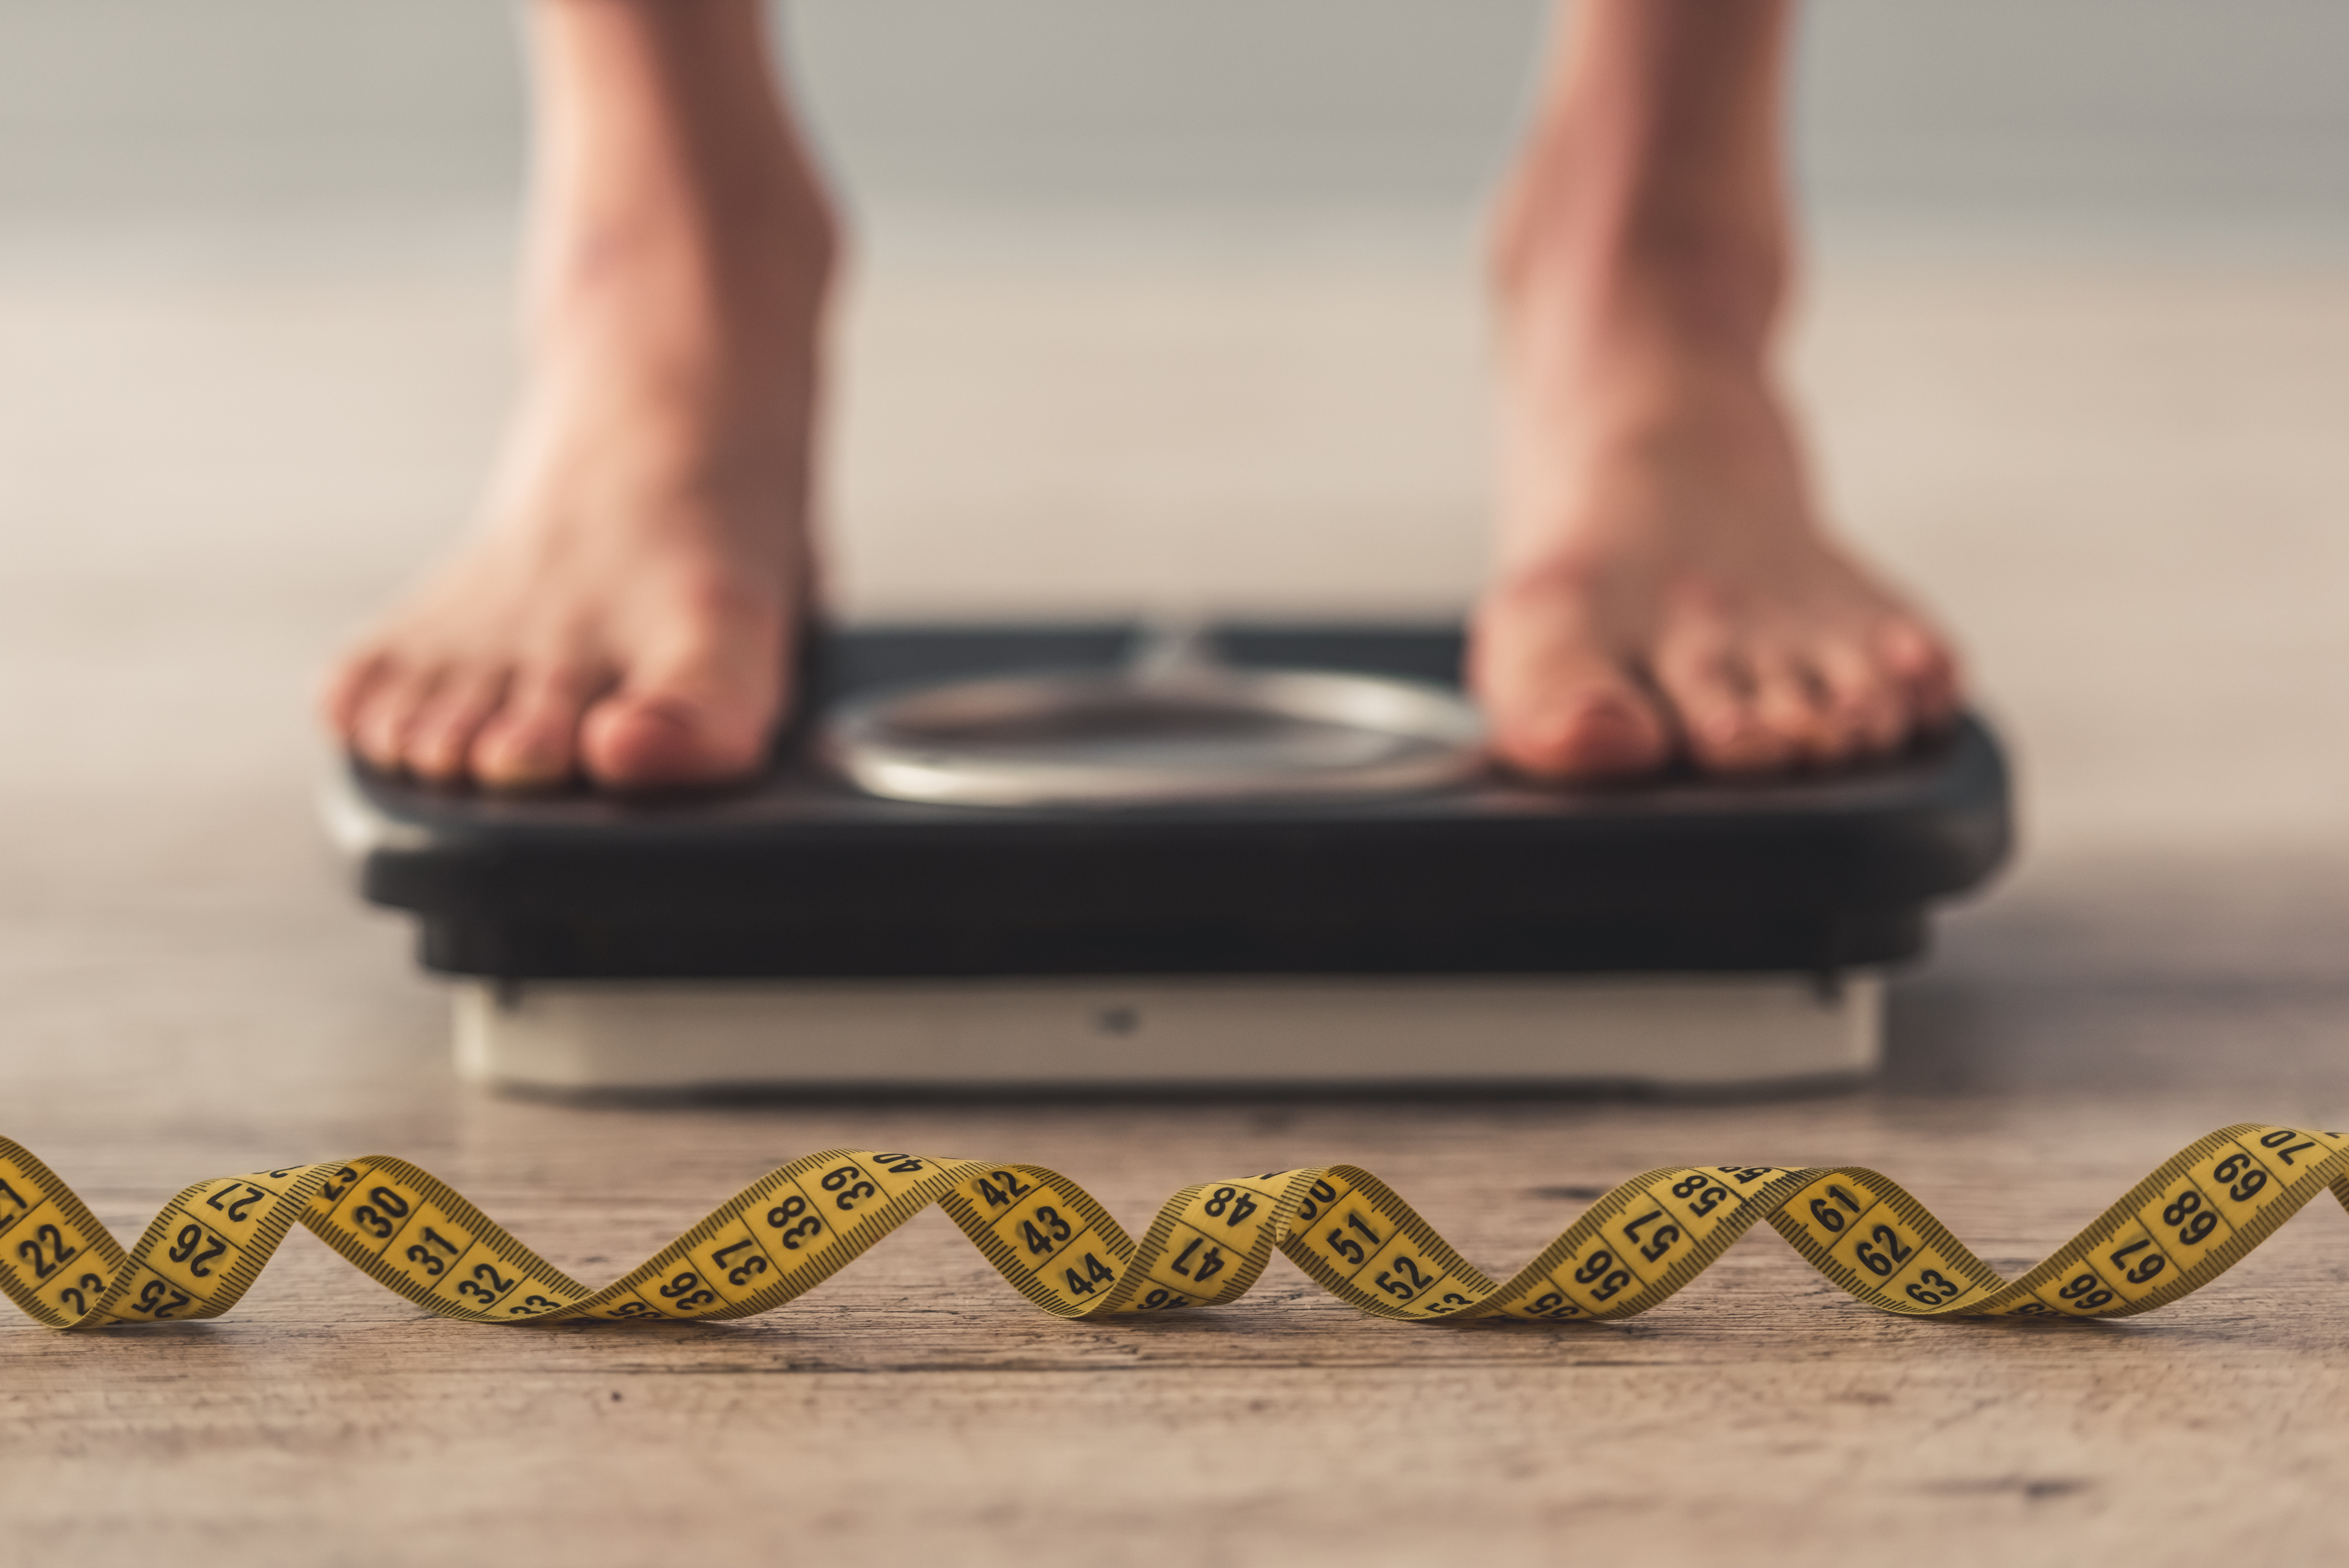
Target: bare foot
627	613
628	609
1670	594
1665	589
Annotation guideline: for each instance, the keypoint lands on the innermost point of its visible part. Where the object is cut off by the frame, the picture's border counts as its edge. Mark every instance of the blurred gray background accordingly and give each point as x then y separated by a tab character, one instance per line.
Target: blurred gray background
2070	116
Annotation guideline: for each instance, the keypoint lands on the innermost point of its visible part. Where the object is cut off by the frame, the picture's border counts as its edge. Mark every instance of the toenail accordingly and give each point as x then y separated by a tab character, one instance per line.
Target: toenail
1562	729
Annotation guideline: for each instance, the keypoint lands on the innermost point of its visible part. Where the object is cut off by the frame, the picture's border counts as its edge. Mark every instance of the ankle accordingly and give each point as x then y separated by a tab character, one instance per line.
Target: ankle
743	292
737	296
1691	322
1575	254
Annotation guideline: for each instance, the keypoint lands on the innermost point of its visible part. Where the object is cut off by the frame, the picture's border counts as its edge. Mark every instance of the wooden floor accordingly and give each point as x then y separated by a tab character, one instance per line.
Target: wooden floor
914	1404
187	989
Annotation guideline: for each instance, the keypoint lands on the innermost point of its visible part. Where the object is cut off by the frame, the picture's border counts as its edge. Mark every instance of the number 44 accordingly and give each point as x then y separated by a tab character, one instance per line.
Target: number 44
1097	1273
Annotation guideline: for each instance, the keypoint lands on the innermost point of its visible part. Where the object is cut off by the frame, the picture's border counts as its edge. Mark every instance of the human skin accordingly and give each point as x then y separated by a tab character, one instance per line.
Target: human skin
1663	585
629	608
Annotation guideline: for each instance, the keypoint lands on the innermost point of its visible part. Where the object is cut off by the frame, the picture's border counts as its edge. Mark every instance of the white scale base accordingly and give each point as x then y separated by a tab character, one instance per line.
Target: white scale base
1652	1032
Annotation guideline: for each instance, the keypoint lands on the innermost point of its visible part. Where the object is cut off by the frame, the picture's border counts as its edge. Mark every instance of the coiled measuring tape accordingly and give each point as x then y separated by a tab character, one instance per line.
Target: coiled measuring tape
2173	1231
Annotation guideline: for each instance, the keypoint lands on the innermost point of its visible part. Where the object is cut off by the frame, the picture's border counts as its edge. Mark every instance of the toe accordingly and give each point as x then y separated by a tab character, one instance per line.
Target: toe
532	740
700	709
344	694
1561	705
439	743
635	739
1924	668
1860	697
1596	726
379	727
1790	702
1712	696
1570	713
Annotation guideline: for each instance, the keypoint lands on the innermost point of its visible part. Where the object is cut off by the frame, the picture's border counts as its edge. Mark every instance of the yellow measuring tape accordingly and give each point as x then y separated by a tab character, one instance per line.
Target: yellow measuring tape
2179	1228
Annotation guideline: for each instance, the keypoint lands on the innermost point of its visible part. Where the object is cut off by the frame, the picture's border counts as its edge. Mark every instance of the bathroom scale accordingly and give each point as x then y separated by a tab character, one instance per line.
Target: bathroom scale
1038	858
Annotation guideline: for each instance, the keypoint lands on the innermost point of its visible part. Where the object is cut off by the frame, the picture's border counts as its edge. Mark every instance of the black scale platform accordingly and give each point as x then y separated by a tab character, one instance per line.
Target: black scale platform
800	875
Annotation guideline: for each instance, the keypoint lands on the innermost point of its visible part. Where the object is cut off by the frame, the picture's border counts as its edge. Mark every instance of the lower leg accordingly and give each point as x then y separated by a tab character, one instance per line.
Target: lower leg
1664	586
629	608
